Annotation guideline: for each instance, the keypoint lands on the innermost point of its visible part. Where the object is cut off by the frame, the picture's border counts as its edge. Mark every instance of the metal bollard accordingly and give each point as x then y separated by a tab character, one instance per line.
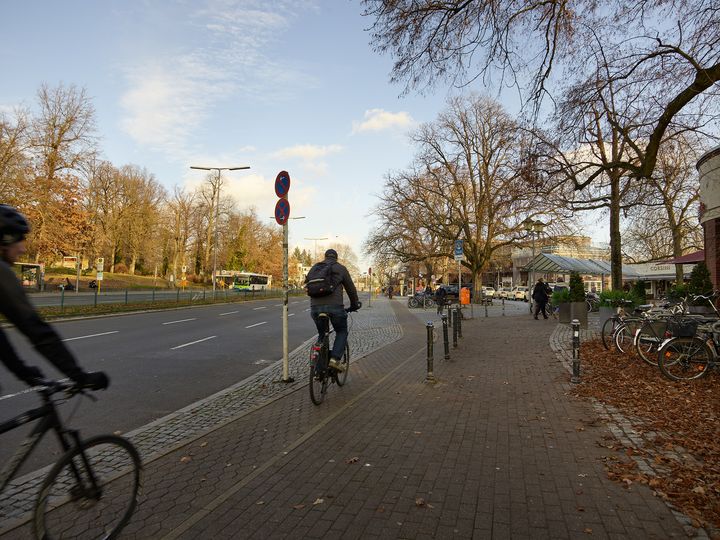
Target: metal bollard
503	304
459	321
95	303
430	356
126	297
446	343
177	299
153	295
576	351
455	328
62	299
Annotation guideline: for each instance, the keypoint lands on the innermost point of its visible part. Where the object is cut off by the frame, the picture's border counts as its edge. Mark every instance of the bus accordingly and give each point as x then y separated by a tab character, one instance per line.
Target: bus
243	281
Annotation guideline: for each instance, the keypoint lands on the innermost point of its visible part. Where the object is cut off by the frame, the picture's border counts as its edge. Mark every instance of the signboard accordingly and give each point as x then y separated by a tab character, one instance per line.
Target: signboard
99	264
99	276
184	269
282	184
458	250
282	211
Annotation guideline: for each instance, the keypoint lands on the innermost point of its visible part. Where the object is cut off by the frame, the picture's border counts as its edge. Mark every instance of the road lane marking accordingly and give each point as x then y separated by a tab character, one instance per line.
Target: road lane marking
256	324
192	343
308	309
181	320
229	313
290	314
91	335
262	307
278	305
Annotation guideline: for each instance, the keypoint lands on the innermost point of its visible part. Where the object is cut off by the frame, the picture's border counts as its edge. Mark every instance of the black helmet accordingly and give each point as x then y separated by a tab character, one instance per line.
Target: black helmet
13	225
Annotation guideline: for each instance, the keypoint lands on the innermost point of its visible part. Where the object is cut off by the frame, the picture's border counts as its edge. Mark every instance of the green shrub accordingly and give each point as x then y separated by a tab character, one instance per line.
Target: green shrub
677	292
613	298
700	280
577	289
561	297
638	293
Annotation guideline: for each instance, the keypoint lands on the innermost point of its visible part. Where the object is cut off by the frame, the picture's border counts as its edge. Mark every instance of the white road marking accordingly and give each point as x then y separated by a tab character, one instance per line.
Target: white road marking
181	320
228	313
256	324
308	309
290	314
192	343
91	335
278	305
256	308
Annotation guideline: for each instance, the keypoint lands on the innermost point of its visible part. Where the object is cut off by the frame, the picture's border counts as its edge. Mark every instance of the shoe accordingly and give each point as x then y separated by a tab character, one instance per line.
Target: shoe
336	365
545	318
537	318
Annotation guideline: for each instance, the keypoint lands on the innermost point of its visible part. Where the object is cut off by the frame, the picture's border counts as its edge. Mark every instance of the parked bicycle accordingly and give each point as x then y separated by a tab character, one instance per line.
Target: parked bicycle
692	352
421	300
92	490
322	375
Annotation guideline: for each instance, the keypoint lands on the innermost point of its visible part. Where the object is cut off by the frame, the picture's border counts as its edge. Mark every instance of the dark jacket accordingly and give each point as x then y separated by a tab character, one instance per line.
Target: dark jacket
440	295
345	283
16	307
541	292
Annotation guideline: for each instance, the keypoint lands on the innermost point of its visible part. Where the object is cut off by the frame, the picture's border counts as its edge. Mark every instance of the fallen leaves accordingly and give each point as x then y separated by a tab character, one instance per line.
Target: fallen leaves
677	423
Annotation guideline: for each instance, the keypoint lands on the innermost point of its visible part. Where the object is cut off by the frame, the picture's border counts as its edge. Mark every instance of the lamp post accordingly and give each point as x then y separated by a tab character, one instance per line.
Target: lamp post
533	228
316	241
217	212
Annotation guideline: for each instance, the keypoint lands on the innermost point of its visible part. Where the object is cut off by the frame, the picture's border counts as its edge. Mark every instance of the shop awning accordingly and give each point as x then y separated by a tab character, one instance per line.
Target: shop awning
551	263
690	258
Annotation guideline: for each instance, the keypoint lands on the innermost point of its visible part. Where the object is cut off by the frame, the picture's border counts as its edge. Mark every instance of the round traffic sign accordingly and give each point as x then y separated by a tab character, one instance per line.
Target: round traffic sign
282	211
282	184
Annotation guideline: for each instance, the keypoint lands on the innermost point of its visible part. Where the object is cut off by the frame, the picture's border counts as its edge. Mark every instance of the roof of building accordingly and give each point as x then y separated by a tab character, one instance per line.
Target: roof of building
548	262
690	258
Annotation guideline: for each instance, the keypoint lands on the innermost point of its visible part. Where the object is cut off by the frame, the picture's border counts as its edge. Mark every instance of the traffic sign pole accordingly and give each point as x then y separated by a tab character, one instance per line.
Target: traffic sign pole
282	214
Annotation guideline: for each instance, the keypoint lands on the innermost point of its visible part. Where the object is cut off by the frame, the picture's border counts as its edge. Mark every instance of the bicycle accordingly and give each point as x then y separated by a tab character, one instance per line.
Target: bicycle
692	353
322	375
614	324
89	477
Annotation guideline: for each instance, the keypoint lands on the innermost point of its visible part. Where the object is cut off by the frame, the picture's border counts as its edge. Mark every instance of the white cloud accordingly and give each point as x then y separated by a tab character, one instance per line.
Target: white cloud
171	95
380	120
310	156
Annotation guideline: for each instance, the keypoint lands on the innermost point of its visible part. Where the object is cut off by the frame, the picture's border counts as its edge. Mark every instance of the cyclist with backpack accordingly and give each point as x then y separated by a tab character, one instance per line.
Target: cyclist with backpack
16	307
324	284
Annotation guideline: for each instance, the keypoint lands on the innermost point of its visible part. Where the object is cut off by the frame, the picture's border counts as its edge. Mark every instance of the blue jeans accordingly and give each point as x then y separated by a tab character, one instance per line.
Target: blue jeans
338	318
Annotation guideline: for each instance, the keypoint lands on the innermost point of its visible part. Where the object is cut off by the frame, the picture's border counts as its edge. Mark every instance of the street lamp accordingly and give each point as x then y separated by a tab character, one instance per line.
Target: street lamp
217	212
533	228
316	241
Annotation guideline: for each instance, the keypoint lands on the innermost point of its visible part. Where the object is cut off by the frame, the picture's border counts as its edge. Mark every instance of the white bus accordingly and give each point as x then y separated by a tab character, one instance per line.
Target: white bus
243	281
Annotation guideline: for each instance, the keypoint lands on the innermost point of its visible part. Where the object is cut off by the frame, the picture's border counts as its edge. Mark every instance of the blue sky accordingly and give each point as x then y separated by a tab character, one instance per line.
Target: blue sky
274	84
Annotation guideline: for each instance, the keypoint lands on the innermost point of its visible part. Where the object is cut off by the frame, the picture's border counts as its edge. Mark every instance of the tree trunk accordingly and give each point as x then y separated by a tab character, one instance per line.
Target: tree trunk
615	241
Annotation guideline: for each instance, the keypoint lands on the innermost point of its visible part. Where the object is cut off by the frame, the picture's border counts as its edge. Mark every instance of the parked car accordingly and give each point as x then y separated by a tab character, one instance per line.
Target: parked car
521	293
489	292
505	292
452	291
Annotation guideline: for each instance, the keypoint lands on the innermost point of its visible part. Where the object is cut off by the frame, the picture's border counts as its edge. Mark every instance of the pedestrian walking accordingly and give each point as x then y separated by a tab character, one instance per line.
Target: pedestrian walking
440	299
540	295
390	292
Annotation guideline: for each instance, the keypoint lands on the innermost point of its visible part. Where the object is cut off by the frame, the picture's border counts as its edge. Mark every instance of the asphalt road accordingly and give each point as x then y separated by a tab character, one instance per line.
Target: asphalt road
158	362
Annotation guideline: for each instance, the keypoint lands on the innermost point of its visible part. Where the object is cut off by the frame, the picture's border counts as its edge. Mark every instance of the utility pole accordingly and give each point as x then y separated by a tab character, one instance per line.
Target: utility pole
316	241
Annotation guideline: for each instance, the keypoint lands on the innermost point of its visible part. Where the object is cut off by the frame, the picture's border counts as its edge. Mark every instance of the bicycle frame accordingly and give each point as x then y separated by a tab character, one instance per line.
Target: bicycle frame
49	420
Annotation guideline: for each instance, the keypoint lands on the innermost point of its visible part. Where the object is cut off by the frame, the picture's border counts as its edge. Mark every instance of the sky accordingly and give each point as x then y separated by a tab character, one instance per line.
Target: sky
271	84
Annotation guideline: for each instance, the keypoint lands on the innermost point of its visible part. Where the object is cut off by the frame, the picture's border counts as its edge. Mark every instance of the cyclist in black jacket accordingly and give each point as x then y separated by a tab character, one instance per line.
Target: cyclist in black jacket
16	307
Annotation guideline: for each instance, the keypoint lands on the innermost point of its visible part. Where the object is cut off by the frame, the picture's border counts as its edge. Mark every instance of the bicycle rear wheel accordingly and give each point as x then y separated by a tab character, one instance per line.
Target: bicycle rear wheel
685	358
91	492
342	376
318	386
625	334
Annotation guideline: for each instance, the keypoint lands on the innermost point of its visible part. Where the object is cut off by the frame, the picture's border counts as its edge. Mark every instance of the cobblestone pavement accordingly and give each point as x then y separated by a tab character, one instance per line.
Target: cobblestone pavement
495	448
370	329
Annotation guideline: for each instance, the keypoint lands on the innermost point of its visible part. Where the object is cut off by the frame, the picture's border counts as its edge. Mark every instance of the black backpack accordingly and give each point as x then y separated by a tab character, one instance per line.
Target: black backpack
320	281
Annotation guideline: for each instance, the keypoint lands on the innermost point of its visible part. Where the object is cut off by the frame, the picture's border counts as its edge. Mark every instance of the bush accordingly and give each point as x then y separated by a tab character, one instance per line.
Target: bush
561	297
700	280
121	268
677	293
638	292
613	298
577	289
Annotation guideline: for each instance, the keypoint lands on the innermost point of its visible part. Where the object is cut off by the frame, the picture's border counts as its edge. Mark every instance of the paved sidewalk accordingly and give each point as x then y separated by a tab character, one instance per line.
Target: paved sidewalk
495	449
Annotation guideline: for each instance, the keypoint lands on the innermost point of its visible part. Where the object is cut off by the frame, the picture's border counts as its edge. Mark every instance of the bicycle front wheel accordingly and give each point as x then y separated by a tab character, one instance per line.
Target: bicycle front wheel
345	363
607	332
91	492
685	358
647	345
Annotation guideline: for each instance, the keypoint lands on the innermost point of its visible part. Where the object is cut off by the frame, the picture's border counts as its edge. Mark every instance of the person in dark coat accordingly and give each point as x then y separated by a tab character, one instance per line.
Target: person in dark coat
440	299
541	295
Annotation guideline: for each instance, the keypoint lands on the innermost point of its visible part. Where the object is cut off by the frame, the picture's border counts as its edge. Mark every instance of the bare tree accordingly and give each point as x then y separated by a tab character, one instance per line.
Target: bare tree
14	160
667	50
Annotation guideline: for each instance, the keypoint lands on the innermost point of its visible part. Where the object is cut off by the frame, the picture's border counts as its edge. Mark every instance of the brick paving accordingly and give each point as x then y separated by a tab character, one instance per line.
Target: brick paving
495	449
